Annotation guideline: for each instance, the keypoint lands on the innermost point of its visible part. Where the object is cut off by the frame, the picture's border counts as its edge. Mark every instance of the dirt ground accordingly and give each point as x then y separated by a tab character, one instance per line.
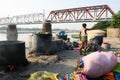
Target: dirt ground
61	62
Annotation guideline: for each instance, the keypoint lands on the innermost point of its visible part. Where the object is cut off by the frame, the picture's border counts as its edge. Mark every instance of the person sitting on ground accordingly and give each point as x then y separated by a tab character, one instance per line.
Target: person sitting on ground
91	46
68	44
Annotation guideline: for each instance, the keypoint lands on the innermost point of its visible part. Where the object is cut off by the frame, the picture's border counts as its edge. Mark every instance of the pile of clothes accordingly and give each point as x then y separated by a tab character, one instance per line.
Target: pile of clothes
96	66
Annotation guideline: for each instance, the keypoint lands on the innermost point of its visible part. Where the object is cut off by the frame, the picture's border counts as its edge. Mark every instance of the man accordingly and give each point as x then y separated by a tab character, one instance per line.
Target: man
83	38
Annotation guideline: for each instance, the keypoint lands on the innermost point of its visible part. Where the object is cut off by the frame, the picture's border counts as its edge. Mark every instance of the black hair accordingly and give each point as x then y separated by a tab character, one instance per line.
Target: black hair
84	25
68	38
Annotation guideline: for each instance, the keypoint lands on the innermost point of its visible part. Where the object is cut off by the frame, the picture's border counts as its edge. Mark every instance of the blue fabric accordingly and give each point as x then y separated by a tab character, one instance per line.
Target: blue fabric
117	76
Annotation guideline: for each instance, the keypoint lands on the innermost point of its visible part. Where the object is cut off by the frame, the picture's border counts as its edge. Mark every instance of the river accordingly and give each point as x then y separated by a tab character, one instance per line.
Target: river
26	37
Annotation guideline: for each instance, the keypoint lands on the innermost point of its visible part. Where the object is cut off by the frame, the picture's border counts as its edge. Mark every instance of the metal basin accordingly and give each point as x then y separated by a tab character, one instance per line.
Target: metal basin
12	53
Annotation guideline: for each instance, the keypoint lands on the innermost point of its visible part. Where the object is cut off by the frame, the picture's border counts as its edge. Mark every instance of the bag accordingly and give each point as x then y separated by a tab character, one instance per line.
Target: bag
97	64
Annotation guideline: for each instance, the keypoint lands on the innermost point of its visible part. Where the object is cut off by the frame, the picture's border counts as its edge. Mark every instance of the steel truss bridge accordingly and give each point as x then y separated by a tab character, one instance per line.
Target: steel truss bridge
71	15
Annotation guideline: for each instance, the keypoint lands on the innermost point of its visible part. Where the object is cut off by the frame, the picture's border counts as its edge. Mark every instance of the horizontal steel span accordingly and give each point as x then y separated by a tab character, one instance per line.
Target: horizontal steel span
82	14
71	15
35	18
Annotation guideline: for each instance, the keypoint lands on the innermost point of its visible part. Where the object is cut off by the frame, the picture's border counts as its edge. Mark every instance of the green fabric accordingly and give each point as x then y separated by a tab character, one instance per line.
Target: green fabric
84	38
117	68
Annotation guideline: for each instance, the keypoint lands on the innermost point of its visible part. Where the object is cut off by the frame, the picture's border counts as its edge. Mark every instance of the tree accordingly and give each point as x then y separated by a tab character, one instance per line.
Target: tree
102	25
115	23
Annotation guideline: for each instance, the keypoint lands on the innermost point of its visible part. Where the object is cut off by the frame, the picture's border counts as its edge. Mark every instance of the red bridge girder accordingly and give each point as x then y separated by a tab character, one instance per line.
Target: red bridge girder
90	13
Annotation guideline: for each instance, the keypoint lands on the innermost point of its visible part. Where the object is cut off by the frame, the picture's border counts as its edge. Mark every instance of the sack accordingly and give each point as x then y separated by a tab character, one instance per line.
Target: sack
97	64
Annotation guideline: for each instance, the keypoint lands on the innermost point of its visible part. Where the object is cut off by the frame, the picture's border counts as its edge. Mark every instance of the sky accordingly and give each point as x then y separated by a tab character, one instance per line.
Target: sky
19	7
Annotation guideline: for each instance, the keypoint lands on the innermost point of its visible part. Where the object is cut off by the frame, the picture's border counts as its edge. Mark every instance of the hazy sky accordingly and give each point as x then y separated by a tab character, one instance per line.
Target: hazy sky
18	7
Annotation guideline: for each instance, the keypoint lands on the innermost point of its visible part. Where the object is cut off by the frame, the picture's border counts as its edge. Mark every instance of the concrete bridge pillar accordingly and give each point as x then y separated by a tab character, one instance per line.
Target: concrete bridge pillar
12	33
46	27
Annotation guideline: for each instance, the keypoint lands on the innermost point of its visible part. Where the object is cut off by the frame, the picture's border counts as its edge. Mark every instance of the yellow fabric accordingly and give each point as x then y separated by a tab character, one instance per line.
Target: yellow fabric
43	75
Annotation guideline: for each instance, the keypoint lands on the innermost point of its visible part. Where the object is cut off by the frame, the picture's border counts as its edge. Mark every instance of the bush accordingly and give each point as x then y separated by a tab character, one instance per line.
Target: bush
115	23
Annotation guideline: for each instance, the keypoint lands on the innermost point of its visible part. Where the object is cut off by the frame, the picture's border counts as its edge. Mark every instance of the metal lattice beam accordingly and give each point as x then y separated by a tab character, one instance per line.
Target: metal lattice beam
72	15
36	18
82	14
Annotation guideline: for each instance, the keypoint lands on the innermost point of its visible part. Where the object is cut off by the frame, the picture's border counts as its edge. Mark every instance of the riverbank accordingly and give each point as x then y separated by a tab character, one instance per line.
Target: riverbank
62	62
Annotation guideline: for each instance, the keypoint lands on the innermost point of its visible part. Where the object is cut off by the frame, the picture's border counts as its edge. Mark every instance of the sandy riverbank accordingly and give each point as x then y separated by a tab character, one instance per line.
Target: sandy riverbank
61	62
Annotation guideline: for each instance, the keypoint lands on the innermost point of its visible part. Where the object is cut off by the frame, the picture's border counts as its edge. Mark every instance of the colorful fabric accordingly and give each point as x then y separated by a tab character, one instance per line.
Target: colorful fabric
117	68
78	76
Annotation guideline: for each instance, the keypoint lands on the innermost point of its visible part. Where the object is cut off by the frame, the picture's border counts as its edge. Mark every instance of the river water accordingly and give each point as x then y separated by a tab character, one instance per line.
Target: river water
26	37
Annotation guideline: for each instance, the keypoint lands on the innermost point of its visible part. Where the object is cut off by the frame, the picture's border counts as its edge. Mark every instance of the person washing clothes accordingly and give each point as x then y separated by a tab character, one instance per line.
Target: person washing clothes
83	38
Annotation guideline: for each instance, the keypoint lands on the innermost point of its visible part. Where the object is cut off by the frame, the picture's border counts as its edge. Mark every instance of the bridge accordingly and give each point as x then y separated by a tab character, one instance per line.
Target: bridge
71	15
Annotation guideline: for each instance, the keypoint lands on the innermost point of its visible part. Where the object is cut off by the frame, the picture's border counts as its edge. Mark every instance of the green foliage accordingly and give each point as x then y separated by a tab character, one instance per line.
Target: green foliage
115	23
102	25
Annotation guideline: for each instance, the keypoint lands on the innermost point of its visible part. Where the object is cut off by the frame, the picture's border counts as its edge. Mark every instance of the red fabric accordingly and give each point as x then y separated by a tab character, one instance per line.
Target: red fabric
105	43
